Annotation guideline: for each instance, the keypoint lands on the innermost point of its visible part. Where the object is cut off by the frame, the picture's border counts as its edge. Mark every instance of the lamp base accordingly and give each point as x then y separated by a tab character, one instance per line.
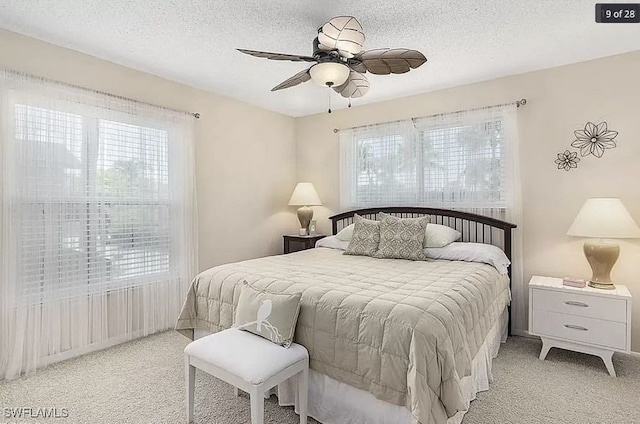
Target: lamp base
305	214
602	286
602	255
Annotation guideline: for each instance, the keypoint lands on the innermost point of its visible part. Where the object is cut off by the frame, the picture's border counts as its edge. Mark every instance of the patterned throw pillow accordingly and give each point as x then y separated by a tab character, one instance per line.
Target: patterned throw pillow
402	238
270	315
365	238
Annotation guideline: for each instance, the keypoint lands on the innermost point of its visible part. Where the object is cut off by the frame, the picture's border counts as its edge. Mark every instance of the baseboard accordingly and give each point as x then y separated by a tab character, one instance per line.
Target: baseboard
522	333
94	347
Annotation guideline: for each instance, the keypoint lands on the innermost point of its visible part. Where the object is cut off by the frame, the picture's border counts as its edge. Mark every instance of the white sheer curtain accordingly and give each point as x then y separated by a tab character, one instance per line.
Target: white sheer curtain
465	160
98	220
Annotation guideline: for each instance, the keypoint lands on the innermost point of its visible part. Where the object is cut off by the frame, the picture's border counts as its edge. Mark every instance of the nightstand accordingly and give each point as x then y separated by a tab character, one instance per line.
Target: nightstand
587	320
306	242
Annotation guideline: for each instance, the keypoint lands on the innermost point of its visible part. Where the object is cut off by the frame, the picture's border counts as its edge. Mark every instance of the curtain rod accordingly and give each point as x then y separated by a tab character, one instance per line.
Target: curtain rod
104	93
518	103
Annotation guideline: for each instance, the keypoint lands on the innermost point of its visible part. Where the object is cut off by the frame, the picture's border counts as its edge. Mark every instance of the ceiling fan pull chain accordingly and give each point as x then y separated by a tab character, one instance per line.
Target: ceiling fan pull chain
329	98
349	101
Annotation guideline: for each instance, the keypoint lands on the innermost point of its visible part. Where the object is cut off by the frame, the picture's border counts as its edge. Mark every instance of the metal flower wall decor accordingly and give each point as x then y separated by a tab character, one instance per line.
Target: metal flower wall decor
567	160
592	140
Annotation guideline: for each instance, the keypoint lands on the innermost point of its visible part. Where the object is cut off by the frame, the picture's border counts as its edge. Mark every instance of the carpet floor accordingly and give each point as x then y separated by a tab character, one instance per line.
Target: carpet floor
143	382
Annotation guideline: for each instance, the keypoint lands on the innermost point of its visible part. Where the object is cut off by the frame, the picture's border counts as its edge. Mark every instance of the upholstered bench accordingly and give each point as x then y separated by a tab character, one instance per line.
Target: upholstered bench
248	362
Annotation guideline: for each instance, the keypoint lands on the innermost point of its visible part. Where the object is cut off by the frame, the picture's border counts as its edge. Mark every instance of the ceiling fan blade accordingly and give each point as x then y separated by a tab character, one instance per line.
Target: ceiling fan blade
299	78
387	61
342	33
356	86
278	56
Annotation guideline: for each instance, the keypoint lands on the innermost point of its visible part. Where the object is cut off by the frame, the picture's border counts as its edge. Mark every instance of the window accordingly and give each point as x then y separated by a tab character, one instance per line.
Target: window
95	203
454	160
463	165
386	168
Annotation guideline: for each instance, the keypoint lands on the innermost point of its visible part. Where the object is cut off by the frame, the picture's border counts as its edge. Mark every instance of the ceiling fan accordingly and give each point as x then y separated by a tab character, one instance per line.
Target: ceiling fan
341	62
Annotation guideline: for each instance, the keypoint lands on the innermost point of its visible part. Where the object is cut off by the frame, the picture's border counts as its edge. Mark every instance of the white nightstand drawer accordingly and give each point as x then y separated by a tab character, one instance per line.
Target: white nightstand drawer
580	329
580	304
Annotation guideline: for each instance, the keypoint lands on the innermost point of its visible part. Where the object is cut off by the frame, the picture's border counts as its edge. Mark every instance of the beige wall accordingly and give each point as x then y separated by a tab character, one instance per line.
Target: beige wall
244	154
560	100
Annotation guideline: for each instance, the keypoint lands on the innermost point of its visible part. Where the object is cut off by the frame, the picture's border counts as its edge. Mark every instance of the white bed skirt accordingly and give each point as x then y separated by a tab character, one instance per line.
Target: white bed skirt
333	402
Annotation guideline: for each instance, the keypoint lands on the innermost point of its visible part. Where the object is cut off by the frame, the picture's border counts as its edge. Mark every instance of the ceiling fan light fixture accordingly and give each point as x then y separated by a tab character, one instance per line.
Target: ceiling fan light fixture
329	74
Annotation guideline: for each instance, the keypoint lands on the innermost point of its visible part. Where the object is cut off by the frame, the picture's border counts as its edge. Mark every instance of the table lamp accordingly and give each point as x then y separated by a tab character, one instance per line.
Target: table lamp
305	195
603	219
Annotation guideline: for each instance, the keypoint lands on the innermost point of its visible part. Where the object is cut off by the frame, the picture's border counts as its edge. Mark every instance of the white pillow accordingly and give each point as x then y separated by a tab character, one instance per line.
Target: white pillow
332	242
346	233
471	252
437	235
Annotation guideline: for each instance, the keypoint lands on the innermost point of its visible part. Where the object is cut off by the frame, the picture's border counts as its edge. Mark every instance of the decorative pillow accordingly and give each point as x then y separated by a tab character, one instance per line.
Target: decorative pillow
402	238
472	252
270	315
346	233
438	235
366	237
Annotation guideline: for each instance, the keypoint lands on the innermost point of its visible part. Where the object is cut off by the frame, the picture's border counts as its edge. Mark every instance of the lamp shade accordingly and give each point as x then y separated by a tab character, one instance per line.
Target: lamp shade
304	195
604	217
329	74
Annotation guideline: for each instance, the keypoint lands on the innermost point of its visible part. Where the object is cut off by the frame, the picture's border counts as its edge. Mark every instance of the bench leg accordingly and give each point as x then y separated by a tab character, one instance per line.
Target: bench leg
190	383
257	407
303	389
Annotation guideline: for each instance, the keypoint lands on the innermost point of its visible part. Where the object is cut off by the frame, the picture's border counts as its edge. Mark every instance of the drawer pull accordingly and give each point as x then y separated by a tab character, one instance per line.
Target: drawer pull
576	327
574	303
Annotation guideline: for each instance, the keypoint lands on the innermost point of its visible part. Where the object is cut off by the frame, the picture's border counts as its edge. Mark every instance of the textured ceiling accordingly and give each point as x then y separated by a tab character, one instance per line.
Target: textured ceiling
193	41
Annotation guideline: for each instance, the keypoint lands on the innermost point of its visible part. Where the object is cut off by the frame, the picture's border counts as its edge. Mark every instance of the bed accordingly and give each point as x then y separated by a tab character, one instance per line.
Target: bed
389	340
